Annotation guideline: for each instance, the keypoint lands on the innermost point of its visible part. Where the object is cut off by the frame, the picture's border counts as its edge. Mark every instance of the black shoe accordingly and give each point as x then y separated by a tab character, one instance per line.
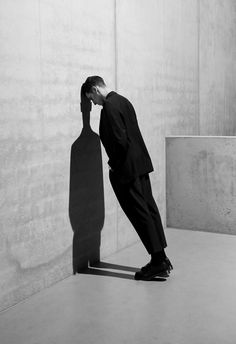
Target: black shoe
150	271
169	265
167	261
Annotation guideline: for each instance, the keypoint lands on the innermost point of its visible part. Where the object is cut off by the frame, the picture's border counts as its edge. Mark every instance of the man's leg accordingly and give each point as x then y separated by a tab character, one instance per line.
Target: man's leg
160	255
133	203
153	209
141	209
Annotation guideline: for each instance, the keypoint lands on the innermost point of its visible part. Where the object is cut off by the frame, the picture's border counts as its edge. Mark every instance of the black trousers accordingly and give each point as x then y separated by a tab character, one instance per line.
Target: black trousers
137	202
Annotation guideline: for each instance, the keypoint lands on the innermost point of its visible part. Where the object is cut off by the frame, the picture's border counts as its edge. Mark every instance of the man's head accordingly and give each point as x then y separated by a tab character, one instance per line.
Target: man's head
95	89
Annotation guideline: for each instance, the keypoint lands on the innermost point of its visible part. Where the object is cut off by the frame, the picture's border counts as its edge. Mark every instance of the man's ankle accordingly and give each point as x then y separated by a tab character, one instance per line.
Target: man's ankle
158	257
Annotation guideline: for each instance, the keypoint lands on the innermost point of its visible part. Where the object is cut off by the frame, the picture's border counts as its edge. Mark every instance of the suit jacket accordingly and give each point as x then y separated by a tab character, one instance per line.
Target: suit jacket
122	139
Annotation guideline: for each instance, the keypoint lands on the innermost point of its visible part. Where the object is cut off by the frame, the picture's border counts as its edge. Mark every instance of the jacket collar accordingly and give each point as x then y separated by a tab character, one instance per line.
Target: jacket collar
110	94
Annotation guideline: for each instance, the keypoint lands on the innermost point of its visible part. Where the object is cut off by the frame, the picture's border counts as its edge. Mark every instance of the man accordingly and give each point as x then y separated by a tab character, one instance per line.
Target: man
130	165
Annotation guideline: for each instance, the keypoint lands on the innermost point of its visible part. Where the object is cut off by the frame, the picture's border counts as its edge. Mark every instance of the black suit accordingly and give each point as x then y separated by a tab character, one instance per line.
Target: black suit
130	165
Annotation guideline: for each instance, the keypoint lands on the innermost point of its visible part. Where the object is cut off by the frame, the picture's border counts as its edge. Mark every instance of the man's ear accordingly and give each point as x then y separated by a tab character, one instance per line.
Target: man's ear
94	89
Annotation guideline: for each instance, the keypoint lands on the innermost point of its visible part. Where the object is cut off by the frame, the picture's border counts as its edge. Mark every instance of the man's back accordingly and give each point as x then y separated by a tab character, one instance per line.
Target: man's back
122	139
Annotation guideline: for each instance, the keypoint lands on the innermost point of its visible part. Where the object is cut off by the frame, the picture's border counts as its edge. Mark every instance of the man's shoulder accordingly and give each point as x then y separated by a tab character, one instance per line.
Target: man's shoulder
115	99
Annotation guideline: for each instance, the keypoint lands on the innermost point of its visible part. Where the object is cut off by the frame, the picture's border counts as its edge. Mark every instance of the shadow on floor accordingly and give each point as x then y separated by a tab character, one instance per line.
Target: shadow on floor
98	270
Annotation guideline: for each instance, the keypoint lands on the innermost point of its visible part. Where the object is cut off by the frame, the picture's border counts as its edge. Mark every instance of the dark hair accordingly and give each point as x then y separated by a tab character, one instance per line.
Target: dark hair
90	82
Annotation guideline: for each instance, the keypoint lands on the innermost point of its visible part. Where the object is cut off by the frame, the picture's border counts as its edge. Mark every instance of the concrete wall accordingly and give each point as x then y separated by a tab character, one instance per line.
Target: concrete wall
158	70
150	51
201	183
47	50
217	67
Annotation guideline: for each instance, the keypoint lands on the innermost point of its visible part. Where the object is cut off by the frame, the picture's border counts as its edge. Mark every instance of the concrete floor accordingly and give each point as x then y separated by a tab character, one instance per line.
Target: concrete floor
195	305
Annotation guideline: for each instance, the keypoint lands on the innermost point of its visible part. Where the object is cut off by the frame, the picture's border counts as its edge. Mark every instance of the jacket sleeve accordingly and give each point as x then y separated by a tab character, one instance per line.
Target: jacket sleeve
118	133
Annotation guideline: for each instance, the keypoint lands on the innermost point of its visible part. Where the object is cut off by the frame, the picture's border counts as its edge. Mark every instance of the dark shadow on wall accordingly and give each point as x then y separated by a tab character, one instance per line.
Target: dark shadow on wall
86	199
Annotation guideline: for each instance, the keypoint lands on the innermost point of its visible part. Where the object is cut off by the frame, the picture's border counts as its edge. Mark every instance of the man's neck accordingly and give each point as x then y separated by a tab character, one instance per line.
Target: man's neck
105	92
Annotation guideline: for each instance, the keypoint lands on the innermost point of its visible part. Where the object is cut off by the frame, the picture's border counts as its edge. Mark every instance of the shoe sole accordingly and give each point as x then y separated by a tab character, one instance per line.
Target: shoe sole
163	274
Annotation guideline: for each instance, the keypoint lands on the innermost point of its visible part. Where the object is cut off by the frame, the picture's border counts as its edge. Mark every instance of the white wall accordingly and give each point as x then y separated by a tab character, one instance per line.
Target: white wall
47	50
201	183
157	69
217	77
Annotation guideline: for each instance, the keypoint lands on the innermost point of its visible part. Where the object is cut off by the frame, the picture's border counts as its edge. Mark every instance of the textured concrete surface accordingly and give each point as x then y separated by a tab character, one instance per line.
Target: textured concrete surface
217	68
153	54
158	70
47	50
195	305
201	183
